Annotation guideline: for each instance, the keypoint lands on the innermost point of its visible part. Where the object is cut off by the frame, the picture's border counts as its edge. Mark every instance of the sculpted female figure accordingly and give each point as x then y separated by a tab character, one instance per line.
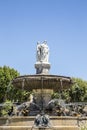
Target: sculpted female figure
42	52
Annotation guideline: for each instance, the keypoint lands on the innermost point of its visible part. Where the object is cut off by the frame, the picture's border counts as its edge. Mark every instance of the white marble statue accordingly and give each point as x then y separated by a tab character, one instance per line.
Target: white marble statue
42	52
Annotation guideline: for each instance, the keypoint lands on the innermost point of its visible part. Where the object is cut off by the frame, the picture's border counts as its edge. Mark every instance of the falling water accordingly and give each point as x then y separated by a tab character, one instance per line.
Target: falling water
8	121
23	83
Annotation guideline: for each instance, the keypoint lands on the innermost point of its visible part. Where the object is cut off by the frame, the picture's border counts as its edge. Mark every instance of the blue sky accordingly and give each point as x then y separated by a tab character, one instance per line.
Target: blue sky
63	23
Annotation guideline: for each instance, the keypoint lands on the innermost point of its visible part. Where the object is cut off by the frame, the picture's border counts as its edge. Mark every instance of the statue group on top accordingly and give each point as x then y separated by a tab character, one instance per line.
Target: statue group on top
42	52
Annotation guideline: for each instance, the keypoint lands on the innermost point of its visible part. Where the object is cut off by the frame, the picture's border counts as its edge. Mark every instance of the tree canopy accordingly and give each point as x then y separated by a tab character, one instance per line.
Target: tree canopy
77	93
6	76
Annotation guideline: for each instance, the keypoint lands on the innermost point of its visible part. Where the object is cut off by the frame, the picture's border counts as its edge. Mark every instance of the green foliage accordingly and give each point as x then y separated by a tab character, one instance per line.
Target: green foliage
19	95
78	92
8	93
84	128
65	95
6	107
7	90
6	76
55	95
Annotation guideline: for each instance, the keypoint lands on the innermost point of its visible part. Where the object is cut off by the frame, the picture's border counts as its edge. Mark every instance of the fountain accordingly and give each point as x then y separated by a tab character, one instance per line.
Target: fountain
41	112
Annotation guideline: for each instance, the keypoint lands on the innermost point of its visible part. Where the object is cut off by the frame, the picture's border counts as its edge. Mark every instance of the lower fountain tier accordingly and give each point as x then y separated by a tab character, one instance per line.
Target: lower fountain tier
39	81
30	128
26	123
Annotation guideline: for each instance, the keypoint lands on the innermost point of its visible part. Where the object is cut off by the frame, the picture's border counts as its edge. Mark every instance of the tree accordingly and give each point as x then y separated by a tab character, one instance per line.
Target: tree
8	93
78	92
7	90
7	74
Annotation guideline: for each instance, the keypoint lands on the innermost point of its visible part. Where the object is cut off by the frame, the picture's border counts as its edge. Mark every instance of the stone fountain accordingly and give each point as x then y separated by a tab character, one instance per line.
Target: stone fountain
43	85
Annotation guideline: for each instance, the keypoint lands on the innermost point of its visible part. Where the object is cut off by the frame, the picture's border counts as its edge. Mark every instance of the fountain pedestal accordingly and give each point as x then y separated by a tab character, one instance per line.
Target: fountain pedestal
42	95
42	64
42	68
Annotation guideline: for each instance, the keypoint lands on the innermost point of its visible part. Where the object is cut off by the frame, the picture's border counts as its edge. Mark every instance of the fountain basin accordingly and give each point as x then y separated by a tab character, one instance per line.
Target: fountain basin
26	123
30	82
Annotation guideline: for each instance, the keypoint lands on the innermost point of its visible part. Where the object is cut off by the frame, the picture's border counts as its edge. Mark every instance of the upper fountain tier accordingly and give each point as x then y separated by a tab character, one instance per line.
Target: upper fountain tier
42	76
30	82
